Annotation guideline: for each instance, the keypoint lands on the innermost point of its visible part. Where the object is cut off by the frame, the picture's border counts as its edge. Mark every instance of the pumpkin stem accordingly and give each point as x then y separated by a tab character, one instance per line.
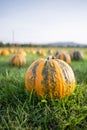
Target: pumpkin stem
50	57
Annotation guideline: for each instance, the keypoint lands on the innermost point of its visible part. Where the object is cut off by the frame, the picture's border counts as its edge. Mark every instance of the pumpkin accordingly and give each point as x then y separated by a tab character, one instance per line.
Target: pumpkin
33	51
41	52
77	55
63	56
50	51
22	52
50	77
11	50
18	60
5	52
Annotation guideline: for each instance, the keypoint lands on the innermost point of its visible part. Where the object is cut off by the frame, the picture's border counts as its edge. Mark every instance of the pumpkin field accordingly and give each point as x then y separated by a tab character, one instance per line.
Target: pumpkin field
21	109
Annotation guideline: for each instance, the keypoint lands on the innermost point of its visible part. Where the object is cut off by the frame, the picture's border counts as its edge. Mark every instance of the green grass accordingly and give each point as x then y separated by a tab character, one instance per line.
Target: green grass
23	110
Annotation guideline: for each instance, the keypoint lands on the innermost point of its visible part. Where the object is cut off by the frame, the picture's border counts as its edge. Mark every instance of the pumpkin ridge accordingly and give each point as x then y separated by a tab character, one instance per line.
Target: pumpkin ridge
30	80
70	82
34	69
48	73
39	77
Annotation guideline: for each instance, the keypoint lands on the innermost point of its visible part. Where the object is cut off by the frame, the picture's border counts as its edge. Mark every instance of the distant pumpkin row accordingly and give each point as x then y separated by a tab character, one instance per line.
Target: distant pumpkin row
19	59
75	55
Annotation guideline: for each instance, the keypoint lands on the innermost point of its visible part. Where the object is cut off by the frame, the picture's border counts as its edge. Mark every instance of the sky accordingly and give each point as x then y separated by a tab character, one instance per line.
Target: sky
43	21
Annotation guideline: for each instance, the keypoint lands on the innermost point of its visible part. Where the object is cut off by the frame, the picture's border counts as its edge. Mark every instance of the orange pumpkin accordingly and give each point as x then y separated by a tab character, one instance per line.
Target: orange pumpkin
21	51
12	50
50	51
63	56
41	52
50	77
18	60
33	51
5	52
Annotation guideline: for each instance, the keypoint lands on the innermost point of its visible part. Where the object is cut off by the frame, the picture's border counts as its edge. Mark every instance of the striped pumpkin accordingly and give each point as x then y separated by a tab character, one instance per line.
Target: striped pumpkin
63	56
18	60
77	55
50	77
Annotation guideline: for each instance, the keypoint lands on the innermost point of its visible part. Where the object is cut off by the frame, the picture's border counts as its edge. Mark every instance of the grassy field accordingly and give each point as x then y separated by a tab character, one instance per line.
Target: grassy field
23	110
